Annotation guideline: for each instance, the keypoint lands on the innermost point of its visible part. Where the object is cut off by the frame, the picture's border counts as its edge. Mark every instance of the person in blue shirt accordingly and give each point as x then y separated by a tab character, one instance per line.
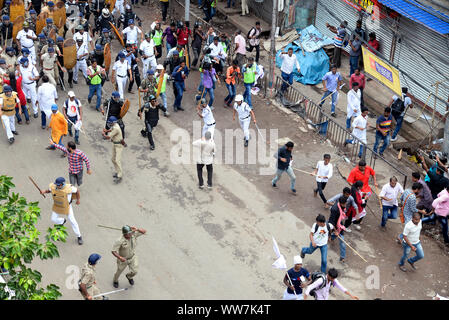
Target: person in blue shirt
179	74
331	84
297	279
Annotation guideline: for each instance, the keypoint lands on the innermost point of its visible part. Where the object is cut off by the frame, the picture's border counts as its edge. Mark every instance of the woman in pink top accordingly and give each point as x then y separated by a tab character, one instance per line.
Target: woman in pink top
441	209
16	85
360	79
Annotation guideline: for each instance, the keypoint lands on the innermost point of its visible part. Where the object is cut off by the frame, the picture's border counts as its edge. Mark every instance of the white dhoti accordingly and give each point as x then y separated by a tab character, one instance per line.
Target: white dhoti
147	63
245	9
29	89
210	128
10	125
244	124
121	84
80	65
59	219
291	296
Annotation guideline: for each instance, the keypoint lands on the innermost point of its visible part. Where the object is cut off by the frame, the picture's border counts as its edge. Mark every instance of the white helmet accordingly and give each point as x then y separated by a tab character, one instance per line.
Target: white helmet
71	94
159	67
238	98
105	12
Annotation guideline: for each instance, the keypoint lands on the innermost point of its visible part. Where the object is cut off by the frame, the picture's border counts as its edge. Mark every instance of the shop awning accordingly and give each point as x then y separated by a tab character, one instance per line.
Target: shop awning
424	15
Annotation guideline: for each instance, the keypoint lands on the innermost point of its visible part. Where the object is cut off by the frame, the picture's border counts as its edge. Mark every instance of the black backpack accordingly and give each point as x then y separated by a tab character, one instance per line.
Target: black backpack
315	276
327	227
247	35
397	106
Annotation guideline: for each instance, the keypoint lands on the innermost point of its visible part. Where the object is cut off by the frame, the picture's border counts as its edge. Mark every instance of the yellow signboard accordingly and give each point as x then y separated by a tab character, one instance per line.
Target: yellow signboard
382	71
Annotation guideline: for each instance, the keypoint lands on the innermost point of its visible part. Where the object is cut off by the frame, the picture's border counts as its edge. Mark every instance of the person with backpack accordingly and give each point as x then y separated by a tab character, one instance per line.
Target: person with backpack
254	41
296	279
398	109
340	41
73	112
321	285
323	173
319	236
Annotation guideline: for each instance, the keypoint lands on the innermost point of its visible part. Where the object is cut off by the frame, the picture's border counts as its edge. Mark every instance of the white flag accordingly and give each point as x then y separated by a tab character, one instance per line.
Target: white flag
280	263
276	248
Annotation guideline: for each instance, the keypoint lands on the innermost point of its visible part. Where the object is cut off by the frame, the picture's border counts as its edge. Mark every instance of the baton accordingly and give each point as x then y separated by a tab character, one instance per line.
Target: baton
351	248
258	130
35	184
110	292
113	228
331	94
81	129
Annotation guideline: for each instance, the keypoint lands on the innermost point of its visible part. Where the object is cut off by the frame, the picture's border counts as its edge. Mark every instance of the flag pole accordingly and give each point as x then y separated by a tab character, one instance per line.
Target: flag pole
290	280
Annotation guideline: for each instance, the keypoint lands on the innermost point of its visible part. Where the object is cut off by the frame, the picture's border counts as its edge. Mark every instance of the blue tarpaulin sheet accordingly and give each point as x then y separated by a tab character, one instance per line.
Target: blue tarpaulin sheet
314	65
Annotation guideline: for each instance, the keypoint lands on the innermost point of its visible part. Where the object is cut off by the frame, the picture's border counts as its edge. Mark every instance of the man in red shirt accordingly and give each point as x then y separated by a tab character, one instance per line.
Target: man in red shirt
360	79
362	172
373	43
183	34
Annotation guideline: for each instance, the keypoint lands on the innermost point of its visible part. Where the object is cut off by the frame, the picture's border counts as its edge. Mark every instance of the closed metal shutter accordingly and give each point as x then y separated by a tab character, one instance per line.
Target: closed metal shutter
424	55
338	9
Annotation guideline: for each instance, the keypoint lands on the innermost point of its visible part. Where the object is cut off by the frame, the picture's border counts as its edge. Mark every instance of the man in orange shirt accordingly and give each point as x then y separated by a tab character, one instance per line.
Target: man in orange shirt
362	172
59	128
231	74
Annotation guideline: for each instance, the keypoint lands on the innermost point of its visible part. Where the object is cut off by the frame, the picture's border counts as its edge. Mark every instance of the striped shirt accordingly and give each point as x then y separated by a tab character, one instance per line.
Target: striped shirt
75	158
384	123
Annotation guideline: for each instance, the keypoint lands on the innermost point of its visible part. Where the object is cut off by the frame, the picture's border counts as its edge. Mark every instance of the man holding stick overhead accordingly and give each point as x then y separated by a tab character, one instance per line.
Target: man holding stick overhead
124	250
62	204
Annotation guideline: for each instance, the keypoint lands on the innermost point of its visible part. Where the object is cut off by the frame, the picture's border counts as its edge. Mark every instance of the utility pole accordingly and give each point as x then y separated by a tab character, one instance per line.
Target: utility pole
187	12
446	130
273	46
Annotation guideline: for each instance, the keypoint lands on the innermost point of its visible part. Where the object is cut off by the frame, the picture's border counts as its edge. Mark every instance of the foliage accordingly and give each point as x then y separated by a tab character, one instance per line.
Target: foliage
20	244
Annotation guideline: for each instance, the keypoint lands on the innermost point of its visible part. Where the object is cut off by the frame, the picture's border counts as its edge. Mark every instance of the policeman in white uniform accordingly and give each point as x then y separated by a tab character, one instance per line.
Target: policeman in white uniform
26	54
58	219
148	53
245	113
29	77
87	40
26	38
206	114
120	70
132	32
81	55
7	113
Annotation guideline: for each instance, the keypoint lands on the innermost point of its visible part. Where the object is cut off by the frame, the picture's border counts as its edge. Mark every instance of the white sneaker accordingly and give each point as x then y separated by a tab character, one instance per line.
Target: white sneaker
358	227
394	139
348	230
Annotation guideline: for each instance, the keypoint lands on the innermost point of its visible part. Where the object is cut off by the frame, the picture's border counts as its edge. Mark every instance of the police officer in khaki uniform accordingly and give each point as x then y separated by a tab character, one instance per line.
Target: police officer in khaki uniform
116	137
48	61
87	283
10	59
124	250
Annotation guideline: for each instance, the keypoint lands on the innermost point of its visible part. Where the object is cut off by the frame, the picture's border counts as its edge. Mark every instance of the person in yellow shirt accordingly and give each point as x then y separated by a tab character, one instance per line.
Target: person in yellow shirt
59	128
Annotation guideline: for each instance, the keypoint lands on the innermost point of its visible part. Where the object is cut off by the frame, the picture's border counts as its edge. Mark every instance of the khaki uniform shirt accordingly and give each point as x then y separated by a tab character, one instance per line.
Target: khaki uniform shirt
116	133
126	248
47	61
44	49
10	62
88	275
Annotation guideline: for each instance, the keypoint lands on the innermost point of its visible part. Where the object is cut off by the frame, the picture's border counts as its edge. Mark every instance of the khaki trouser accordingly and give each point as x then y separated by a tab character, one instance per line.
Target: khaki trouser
117	158
51	76
133	267
93	291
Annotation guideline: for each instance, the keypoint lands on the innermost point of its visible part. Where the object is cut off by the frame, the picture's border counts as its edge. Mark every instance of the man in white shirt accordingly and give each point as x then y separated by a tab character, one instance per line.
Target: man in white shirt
217	54
73	112
148	52
87	40
206	114
131	32
354	100
323	172
360	124
81	55
289	61
205	158
389	195
245	113
319	236
25	39
411	242
46	97
120	71
399	108
29	77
